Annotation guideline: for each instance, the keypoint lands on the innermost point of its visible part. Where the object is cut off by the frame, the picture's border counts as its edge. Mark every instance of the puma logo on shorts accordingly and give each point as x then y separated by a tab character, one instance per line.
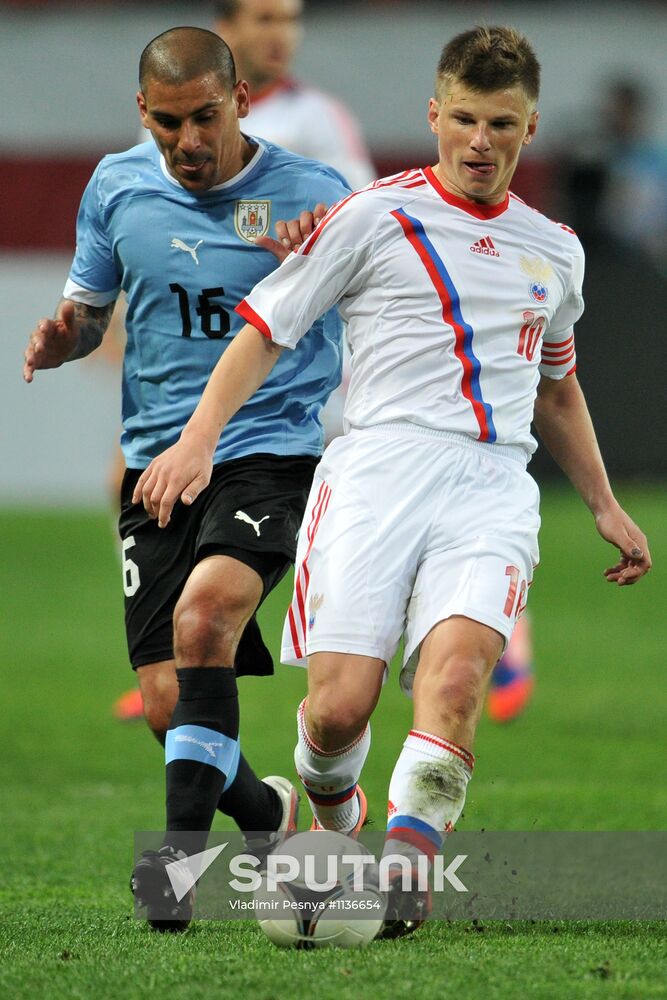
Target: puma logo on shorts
241	515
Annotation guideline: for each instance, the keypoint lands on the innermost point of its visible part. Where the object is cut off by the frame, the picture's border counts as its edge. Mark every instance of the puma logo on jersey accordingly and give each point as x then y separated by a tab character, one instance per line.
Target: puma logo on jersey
177	244
485	246
241	515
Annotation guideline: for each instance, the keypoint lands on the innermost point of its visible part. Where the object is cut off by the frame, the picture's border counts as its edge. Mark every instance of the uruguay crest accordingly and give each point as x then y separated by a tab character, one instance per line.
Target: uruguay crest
252	219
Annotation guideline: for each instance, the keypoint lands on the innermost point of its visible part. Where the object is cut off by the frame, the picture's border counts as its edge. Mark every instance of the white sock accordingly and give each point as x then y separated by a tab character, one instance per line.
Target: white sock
426	794
330	777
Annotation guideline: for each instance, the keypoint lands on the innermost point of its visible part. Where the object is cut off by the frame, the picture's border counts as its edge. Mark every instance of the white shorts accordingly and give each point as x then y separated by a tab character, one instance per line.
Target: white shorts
404	529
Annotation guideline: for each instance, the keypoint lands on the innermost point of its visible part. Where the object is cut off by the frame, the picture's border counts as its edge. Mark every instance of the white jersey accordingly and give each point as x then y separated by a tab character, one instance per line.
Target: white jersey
454	309
313	124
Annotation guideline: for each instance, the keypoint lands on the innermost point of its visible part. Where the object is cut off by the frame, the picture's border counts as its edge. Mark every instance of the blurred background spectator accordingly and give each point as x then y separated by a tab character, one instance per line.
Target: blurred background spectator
264	36
615	175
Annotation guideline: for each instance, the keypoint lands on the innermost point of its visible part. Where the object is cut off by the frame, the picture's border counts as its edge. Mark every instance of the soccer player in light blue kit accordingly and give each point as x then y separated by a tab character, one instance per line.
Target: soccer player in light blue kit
175	223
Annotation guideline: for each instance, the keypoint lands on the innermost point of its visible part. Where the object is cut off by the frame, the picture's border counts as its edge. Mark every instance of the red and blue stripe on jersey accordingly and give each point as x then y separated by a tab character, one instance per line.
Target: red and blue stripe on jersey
408	179
453	317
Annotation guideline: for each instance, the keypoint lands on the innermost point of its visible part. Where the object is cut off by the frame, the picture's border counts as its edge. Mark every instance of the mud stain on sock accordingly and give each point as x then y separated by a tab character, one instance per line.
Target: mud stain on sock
433	781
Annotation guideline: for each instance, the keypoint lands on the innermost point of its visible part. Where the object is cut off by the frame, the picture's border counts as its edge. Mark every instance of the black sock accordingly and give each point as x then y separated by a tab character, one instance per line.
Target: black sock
202	752
251	804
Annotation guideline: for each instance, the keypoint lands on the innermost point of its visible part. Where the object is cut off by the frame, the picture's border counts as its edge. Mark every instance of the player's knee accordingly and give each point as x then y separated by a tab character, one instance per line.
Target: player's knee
208	626
334	723
457	688
459	702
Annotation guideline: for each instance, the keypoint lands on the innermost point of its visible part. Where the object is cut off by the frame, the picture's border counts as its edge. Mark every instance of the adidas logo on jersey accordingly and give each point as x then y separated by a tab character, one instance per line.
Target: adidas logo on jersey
485	246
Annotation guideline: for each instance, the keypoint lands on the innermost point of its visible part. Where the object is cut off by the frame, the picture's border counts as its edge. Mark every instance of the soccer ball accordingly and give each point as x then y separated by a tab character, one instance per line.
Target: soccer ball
323	925
298	915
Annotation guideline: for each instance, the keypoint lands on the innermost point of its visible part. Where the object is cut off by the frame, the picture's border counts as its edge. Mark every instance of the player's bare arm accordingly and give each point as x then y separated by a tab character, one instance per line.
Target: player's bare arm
564	424
184	470
75	331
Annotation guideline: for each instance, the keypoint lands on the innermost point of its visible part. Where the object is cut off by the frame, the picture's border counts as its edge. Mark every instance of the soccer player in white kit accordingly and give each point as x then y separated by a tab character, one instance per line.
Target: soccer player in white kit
264	36
422	521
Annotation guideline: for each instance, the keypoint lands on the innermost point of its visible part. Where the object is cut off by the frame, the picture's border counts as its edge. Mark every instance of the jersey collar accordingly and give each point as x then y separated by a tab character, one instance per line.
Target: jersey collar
474	208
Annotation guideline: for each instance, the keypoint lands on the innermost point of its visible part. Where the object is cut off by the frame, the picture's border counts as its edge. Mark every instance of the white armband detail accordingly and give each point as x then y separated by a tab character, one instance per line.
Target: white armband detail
89	298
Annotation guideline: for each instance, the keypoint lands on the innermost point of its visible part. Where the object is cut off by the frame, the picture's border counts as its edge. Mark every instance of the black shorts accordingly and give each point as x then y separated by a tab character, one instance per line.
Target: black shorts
251	510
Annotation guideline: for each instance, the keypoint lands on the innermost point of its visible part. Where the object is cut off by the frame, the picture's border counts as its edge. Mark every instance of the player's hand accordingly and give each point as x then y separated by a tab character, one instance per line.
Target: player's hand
180	472
290	235
51	342
635	559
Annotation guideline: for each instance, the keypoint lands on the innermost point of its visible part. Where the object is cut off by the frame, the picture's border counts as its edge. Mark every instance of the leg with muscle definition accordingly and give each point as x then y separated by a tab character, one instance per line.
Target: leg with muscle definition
218	600
334	736
192	706
428	786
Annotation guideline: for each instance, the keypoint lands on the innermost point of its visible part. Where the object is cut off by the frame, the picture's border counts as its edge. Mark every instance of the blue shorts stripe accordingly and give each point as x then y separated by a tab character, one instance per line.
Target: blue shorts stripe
204	745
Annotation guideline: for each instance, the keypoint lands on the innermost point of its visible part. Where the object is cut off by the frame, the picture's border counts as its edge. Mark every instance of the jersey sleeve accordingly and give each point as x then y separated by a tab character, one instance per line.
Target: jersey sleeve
331	264
558	351
93	276
322	183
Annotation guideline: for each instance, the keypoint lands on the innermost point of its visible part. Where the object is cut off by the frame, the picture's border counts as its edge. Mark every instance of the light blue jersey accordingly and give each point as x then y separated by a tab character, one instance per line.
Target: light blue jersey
185	261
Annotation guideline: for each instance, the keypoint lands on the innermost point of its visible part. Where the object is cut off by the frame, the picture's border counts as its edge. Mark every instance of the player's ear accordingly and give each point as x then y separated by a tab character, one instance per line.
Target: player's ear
531	128
141	103
241	99
433	114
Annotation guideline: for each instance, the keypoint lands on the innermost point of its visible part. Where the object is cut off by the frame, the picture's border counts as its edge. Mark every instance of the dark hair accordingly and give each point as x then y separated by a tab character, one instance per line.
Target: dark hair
226	9
491	58
182	54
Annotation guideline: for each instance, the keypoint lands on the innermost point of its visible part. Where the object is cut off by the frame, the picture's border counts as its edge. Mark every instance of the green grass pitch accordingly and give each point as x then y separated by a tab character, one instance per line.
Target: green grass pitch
76	784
